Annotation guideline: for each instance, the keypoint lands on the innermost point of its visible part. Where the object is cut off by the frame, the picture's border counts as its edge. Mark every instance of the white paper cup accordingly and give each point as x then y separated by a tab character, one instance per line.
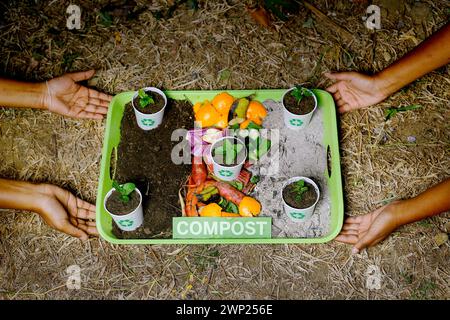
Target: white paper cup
299	215
297	121
130	221
226	173
153	120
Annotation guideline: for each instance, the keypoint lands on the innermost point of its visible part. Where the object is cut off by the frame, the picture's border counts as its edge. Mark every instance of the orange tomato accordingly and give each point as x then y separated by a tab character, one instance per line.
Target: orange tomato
207	115
256	112
249	207
222	102
211	210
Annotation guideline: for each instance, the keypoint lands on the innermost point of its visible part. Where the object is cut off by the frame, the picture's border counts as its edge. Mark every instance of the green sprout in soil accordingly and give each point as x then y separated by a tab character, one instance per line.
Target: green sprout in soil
299	92
145	99
300	189
229	150
390	112
125	190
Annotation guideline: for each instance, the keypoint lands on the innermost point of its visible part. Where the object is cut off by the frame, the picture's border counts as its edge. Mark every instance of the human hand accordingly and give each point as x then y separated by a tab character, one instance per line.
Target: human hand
355	90
63	95
367	230
64	212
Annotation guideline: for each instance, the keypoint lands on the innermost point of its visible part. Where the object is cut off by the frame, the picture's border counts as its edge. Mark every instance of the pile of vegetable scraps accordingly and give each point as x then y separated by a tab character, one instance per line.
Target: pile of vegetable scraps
225	116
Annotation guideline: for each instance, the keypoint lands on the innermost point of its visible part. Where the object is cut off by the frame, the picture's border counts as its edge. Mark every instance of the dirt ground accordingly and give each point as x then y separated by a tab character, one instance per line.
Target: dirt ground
219	47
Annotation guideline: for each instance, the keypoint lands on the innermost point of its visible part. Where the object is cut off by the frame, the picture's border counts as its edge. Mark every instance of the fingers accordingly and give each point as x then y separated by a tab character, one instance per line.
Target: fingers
82	75
351	226
74	231
98	102
86	222
353	219
344	108
96	109
349	232
99	95
90	115
347	238
91	230
364	242
85	214
85	205
333	88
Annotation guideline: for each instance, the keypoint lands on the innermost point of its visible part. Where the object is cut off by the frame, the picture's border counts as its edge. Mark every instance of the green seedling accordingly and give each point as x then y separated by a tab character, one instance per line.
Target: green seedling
300	189
229	151
390	112
145	99
299	93
124	189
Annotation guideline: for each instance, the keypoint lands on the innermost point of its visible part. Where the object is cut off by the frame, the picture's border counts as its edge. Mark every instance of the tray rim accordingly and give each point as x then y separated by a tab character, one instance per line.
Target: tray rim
330	140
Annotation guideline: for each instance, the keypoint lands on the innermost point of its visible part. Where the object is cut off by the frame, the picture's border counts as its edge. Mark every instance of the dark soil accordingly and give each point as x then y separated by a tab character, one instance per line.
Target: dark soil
220	159
305	106
116	206
153	107
308	198
144	157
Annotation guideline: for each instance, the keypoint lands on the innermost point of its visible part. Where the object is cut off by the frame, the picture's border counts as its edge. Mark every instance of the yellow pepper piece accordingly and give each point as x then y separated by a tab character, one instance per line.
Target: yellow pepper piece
249	207
245	124
197	106
207	115
211	210
223	102
256	112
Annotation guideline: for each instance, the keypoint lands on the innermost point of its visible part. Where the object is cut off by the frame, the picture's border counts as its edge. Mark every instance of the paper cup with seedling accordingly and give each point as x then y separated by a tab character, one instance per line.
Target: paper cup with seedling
124	204
149	105
299	105
228	154
300	196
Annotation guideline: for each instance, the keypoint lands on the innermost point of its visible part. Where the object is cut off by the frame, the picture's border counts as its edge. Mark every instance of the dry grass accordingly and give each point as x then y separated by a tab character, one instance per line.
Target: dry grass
191	51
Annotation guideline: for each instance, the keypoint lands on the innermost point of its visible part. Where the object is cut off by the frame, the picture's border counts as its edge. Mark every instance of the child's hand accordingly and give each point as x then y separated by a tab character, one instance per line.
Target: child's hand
62	211
369	229
63	95
355	90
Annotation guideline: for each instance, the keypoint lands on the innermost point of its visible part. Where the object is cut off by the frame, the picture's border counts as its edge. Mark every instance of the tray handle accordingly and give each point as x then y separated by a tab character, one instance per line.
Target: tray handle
329	162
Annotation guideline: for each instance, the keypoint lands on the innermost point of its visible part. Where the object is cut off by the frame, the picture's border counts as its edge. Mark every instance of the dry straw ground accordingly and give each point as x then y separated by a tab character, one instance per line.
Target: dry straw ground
219	46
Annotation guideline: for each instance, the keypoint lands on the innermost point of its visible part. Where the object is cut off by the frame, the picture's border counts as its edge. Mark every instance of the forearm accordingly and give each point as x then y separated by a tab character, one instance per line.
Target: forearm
431	54
20	195
19	94
427	204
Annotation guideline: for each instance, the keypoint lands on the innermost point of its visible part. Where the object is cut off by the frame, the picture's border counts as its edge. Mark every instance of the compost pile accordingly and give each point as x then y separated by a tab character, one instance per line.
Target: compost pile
144	157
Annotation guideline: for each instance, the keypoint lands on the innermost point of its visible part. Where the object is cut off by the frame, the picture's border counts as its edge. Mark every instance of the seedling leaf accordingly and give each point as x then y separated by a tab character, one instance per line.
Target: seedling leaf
145	99
125	190
300	189
390	112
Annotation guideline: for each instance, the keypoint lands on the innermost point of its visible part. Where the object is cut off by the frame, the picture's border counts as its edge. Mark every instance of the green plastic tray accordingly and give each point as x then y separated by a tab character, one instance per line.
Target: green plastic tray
112	139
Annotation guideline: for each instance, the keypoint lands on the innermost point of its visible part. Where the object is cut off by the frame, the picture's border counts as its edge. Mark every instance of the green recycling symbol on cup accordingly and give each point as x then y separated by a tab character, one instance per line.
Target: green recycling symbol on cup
148	122
297	215
225	173
126	223
296	122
